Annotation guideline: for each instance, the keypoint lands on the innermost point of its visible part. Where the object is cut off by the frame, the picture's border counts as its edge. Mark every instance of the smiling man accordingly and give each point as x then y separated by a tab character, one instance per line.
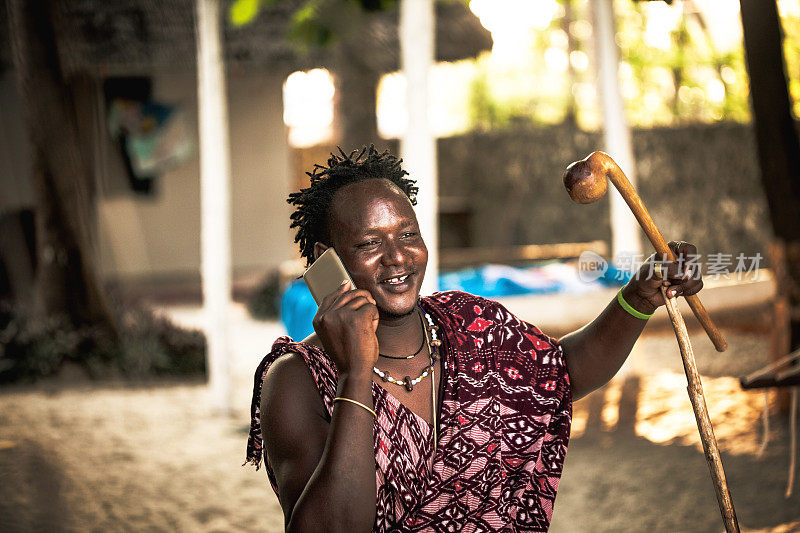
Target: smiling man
409	413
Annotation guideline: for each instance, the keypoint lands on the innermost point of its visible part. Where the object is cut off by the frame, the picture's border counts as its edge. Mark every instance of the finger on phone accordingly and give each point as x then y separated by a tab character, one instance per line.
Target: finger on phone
359	302
349	296
330	300
366	294
369	297
339	290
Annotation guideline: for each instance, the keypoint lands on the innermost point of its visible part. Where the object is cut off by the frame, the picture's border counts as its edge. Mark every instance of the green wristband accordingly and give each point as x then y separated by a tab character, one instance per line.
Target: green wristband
627	307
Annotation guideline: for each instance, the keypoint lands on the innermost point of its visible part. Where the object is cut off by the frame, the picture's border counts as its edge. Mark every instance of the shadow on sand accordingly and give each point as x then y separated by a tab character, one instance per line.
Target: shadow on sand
31	491
615	480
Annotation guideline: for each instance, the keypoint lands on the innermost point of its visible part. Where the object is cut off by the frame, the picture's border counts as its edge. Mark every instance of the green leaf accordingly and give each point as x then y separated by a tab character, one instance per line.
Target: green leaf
243	12
307	29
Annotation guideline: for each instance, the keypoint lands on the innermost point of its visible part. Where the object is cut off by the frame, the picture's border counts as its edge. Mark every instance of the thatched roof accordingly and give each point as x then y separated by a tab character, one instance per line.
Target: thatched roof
136	36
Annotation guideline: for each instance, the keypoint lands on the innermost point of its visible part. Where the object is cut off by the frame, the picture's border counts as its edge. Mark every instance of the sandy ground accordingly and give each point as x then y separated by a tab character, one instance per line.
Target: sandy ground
82	456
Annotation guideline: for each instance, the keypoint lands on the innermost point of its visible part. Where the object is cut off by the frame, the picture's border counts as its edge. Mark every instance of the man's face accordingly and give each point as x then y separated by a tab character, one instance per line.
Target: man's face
375	232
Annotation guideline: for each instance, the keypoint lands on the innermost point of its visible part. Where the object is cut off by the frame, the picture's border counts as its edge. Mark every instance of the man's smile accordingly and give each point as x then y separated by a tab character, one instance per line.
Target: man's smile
396	279
398	283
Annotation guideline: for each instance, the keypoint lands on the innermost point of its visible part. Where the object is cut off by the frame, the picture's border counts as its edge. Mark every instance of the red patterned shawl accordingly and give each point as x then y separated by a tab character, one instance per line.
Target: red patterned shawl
503	426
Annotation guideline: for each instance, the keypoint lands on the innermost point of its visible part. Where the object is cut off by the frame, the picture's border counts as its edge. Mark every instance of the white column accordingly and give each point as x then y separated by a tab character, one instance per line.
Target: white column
625	231
215	201
418	145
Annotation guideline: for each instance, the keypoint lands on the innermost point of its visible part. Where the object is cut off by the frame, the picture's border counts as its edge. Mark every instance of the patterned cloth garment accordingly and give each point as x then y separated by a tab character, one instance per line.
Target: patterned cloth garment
503	426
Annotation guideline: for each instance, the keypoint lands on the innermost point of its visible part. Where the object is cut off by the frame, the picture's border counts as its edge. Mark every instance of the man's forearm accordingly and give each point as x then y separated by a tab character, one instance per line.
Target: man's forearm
341	494
596	352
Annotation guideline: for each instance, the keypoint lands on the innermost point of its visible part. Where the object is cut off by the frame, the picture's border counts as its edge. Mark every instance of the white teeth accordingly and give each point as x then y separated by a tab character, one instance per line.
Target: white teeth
399	279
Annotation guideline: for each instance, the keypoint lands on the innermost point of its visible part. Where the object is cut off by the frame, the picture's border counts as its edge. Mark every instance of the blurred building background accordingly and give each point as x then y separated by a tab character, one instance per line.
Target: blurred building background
132	65
514	101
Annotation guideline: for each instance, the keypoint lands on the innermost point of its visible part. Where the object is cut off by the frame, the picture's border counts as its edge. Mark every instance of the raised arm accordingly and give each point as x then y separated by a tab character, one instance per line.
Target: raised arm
325	470
596	352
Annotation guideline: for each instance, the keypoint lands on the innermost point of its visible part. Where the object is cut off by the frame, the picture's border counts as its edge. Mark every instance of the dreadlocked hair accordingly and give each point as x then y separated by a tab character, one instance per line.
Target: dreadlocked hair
313	203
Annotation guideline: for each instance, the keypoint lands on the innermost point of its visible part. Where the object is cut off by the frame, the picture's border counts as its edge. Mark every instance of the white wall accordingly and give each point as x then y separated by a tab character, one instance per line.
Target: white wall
260	169
159	235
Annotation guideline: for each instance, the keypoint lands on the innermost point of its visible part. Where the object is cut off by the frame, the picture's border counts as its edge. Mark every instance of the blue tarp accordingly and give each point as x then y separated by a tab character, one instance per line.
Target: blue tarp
297	310
490	281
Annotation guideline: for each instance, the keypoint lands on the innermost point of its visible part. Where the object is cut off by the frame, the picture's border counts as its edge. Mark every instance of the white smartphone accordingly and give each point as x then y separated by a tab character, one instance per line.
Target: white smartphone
325	275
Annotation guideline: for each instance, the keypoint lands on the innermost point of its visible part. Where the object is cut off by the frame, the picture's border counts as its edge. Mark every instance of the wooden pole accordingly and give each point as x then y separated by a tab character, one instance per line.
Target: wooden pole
792	443
616	133
695	390
418	145
215	200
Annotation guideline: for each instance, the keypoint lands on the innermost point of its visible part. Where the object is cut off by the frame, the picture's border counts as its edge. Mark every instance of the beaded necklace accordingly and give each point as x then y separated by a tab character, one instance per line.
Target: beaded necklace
433	352
434	343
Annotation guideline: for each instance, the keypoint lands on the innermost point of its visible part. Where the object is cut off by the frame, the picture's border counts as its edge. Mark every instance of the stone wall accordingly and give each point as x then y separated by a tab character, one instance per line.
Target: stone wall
700	183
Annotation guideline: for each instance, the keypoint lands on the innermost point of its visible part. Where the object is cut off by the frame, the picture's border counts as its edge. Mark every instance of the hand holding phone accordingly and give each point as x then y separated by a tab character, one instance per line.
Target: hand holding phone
326	275
347	317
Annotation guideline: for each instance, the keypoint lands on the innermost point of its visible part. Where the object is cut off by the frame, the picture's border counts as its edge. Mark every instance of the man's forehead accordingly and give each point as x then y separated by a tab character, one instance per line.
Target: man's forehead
360	195
369	199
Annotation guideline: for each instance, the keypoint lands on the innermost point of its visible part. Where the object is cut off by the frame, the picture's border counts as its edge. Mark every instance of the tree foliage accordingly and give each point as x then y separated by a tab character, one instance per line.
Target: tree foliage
307	26
685	78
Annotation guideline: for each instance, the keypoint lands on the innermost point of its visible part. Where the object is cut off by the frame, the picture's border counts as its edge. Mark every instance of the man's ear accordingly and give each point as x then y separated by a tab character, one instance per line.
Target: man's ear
318	249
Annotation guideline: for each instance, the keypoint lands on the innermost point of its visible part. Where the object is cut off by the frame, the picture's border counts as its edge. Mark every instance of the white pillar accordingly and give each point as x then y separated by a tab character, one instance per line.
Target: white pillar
215	201
625	231
418	145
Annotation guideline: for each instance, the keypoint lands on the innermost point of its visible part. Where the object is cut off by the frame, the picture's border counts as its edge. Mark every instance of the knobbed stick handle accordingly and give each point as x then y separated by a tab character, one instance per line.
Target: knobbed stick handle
631	197
695	390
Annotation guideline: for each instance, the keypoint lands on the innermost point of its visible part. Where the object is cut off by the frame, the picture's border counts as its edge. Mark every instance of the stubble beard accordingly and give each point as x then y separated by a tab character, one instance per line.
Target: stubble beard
390	315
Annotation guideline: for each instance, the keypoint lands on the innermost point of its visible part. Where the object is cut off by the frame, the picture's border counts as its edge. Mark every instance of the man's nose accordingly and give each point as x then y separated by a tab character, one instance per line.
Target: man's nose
393	253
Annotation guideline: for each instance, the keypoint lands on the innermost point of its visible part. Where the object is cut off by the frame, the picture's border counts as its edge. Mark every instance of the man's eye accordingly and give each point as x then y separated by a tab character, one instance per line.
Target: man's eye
367	244
410	234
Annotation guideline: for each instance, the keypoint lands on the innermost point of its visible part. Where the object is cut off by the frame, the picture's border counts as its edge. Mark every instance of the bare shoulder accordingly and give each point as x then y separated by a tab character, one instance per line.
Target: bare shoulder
288	386
313	339
294	426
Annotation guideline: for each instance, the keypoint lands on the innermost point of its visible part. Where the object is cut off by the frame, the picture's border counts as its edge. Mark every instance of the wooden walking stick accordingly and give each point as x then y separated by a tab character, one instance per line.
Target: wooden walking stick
695	389
586	182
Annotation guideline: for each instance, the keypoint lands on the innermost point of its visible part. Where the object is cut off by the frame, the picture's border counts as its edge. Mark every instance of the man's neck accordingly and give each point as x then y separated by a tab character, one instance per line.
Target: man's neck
399	335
